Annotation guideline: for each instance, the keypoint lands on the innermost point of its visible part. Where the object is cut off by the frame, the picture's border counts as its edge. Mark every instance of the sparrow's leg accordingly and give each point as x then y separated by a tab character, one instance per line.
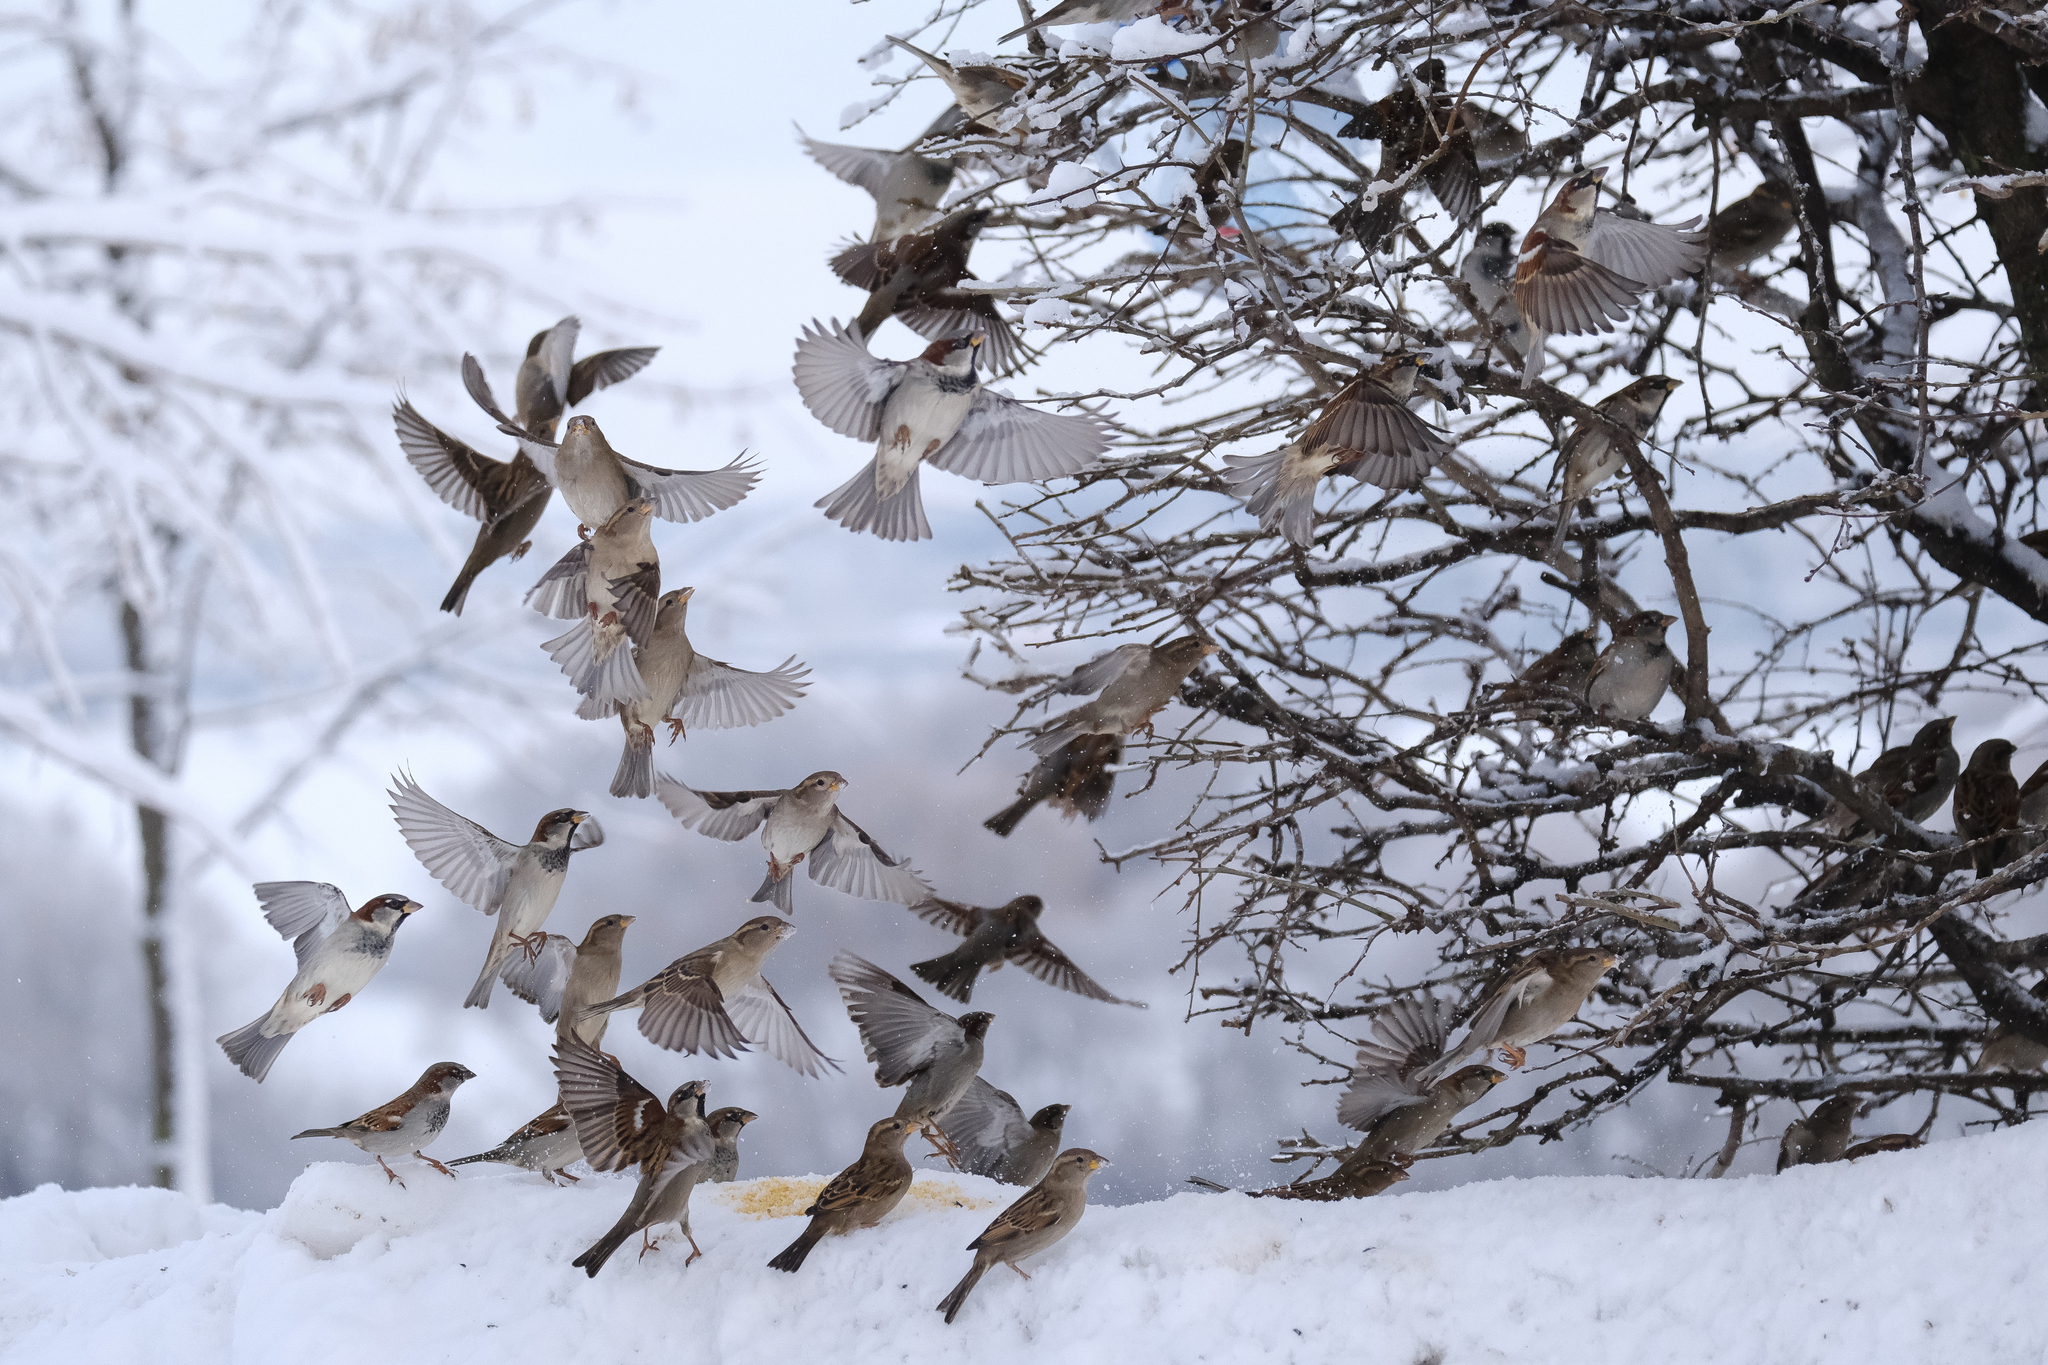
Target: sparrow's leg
675	729
564	1175
1019	1269
532	943
942	1144
520	553
582	531
393	1174
695	1251
1515	1056
647	1244
435	1164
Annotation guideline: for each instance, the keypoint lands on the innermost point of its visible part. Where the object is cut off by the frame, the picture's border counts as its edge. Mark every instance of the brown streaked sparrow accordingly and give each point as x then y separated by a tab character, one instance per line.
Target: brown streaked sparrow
1042	1217
1007	933
1913	779
407	1124
1410	130
917	278
860	1196
621	1124
1533	1001
507	496
564	979
1356	1177
1135	681
1078	778
609	585
545	1144
1559	675
996	1140
1987	802
1387	1100
551	380
1749	228
906	186
1590	456
1632	674
911	1044
1821	1136
979	90
1088	12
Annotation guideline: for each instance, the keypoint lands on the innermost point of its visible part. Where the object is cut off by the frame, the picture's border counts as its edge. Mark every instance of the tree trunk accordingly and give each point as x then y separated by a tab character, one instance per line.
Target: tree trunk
144	735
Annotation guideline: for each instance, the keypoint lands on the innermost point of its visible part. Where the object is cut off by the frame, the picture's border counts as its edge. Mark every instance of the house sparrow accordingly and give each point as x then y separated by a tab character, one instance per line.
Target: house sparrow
906	187
1356	1177
551	380
1489	271
715	1000
1409	124
996	1140
621	1124
1987	802
507	496
339	952
911	1043
802	824
725	1125
1913	779
1751	226
859	1196
1088	12
1590	457
917	278
1008	933
1042	1217
2034	798
1821	1136
1533	1001
1582	265
546	1144
1078	778
595	479
1365	431
610	586
1887	1142
407	1124
1632	674
1387	1100
1563	672
978	90
565	978
2008	1050
484	871
686	689
1135	681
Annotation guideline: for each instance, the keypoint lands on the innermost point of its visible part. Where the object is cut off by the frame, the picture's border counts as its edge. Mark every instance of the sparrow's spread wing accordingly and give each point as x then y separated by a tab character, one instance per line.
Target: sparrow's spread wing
950	313
1649	253
900	1032
841	383
564	591
453	470
558	354
1105	668
1372	1095
848	860
605	369
692	494
954	918
987	1124
1003	441
1572	294
721	815
1366	421
683	1011
768	1024
539	978
462	855
1410	1035
717	696
1039	957
861	167
615	1114
304	912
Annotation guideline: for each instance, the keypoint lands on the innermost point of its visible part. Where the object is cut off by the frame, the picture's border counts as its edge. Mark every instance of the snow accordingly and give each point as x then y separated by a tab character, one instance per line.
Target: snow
1900	1257
1151	38
1070	184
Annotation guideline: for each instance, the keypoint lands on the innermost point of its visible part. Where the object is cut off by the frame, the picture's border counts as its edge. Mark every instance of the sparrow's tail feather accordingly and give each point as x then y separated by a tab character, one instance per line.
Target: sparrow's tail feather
950	1305
635	776
495	1154
598	661
592	1261
480	993
1563	533
317	1132
776	892
953	974
248	1049
1007	819
459	593
858	505
1532	368
793	1255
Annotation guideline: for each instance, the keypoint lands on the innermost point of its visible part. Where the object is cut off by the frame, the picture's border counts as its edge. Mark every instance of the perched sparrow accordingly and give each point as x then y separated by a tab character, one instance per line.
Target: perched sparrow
339	952
508	497
1042	1217
1135	681
1078	778
1008	933
978	90
551	380
996	1140
935	410
1913	779
1489	271
1356	1177
610	586
917	278
1821	1136
1365	431
1535	1000
1632	674
1387	1100
621	1124
688	690
493	876
859	1196
906	187
1590	457
1409	125
407	1124
1565	670
2005	1049
715	1000
1751	226
725	1124
1088	12
546	1144
565	979
1987	802
1582	265
2034	798
802	824
911	1043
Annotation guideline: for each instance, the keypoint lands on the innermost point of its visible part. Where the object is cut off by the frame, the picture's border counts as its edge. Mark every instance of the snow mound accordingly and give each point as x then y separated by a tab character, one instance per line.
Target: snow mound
1909	1256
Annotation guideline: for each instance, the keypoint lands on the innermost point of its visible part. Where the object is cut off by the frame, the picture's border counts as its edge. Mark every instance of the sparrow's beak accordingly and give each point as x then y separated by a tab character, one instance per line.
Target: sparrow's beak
785	931
1097	1164
578	818
1597	174
838	786
625	919
1210	649
685	594
409	907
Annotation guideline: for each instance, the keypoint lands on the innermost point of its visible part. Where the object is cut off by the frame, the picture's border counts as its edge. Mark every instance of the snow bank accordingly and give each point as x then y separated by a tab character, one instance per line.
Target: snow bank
1929	1255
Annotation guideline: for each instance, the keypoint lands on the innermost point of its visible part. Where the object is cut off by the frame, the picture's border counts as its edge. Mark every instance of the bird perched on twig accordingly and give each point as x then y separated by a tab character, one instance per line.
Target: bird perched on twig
2007	1049
1558	676
994	1138
621	1124
409	1123
1135	683
1007	933
860	1196
1591	455
932	410
565	979
1410	123
544	1144
906	186
1088	12
1987	803
1047	1213
1536	999
1387	1100
1913	778
979	90
1488	269
917	279
926	1050
1819	1137
339	953
1365	431
1632	674
726	1125
1078	778
1749	228
1582	266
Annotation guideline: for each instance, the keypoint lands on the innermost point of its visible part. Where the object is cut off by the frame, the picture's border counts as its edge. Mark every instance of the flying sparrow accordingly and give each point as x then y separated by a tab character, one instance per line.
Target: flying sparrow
1562	673
1135	681
1078	778
1913	779
407	1124
1356	1177
1590	456
610	585
484	871
1409	124
1533	1001
1042	1217
935	410
1632	674
1987	802
911	1044
339	952
1007	933
859	1196
978	90
507	496
551	380
1387	1100
906	186
917	278
545	1144
800	825
565	978
1489	271
725	1125
621	1124
1821	1136
1749	228
996	1140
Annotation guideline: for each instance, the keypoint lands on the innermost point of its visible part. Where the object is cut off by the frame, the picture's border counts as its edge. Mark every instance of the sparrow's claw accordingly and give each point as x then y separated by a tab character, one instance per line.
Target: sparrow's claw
393	1174
942	1144
647	1244
582	531
695	1251
564	1175
435	1164
532	944
520	553
675	729
1515	1056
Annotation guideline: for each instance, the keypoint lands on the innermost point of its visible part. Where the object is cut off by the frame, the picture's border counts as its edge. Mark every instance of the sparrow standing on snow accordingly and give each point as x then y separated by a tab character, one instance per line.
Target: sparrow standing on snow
1489	271
912	1044
906	187
1987	802
621	1124
1533	1001
1632	674
1590	456
1582	265
609	585
407	1124
725	1125
1821	1136
917	278
715	1000
339	953
1042	1217
802	824
935	410
996	1140
1564	670
565	978
1913	779
1008	933
508	497
1749	228
493	876
1078	778
860	1196
978	90
1136	683
545	1145
1365	431
686	689
1387	1100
